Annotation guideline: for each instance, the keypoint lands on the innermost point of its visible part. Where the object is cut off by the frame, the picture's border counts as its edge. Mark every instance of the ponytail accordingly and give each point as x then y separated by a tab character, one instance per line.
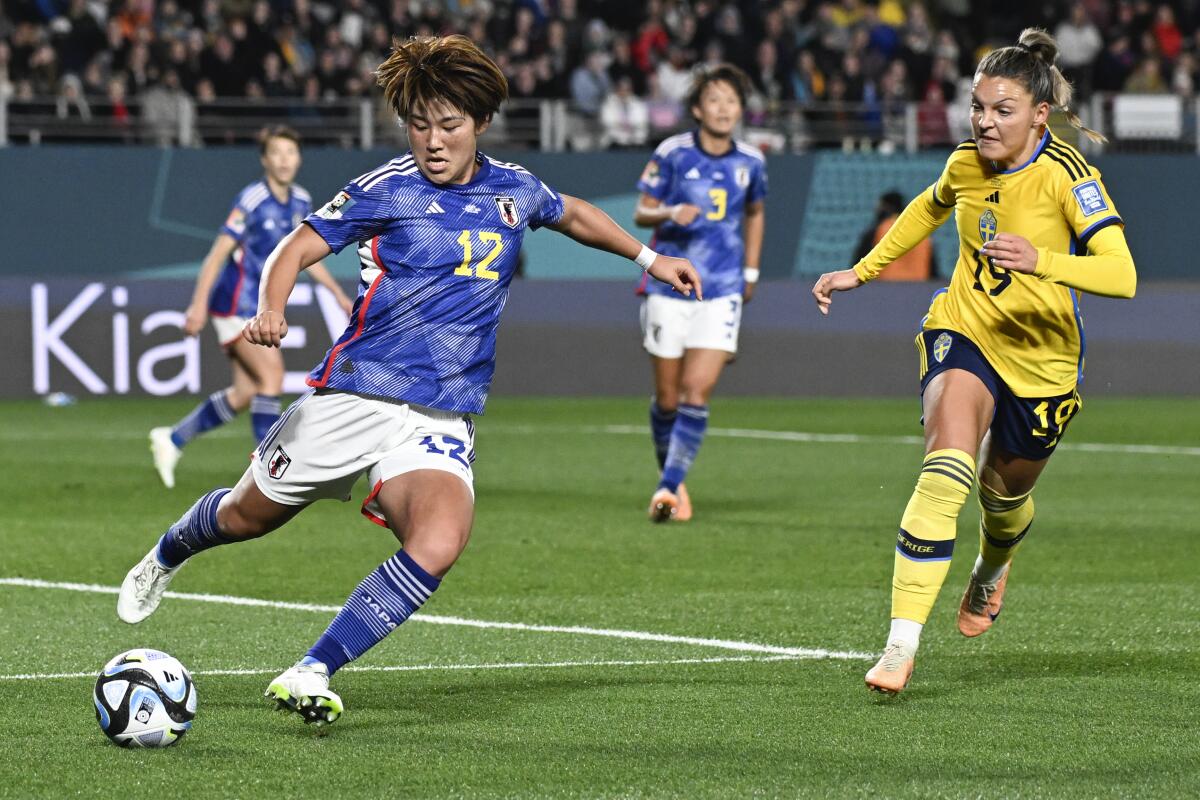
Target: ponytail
1031	61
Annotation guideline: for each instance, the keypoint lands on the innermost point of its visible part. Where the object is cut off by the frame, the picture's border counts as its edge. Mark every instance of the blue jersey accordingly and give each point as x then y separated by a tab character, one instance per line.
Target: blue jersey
258	222
721	186
436	262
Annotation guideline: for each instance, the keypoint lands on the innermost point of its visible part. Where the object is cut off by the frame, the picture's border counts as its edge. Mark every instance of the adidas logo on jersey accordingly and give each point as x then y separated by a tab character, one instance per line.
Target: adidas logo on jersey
434	208
994	197
692	174
471	208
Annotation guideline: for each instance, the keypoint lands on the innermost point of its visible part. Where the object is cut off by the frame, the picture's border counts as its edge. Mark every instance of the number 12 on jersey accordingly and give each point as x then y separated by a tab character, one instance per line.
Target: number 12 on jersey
480	269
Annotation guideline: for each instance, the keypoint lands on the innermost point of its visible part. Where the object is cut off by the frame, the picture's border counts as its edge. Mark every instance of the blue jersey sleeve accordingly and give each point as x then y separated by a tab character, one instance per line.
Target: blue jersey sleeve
353	215
549	207
758	183
656	177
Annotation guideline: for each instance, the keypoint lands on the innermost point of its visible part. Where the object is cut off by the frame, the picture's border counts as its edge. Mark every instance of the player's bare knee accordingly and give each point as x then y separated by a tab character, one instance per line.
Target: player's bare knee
695	394
436	554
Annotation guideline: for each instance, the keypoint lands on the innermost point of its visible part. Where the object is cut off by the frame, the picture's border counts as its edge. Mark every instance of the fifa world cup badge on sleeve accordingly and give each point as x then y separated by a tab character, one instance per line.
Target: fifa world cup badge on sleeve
1090	198
335	207
650	174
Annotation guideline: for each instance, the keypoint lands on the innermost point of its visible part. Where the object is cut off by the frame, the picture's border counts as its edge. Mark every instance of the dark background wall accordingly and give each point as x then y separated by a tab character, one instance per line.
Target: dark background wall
112	237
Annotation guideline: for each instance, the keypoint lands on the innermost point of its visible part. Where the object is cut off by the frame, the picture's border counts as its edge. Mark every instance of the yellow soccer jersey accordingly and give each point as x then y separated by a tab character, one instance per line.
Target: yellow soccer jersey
1029	329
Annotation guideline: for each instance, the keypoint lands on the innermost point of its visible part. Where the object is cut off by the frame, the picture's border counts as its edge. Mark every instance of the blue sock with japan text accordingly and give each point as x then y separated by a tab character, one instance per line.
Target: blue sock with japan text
384	599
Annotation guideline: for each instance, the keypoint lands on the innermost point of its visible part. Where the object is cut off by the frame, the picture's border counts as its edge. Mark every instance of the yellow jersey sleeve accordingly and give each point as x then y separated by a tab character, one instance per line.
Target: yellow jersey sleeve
920	218
1106	270
1101	262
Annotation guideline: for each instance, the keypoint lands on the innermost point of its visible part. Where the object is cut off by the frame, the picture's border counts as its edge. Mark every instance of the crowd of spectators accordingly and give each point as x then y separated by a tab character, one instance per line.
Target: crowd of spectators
624	65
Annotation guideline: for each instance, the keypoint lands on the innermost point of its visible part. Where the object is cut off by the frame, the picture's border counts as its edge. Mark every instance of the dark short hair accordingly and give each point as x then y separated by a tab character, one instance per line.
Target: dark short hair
721	72
277	132
448	69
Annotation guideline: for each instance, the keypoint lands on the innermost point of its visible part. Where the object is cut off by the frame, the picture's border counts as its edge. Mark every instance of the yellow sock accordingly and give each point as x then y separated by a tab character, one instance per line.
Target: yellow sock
1003	523
926	539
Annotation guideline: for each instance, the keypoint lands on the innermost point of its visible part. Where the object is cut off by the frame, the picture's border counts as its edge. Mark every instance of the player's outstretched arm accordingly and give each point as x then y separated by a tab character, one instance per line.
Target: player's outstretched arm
588	225
920	218
651	212
197	312
1107	269
841	281
301	248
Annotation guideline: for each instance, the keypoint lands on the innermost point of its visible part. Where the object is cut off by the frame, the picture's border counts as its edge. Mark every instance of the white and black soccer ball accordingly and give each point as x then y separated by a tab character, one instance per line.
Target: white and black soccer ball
145	698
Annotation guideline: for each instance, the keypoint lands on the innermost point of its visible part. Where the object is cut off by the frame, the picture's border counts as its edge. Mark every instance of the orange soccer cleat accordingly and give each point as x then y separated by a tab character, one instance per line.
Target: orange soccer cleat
894	669
980	605
684	511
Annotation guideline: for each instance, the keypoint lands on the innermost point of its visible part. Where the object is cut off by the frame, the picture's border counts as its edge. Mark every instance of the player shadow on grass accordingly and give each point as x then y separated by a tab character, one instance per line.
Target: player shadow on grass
374	704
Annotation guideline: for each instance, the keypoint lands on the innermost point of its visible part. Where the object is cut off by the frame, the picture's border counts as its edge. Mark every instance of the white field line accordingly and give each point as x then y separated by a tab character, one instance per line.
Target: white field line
644	636
836	438
38	676
640	430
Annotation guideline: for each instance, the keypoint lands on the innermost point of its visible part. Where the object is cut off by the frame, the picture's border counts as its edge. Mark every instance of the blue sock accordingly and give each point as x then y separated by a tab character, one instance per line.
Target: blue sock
212	412
384	599
686	437
195	531
264	412
661	423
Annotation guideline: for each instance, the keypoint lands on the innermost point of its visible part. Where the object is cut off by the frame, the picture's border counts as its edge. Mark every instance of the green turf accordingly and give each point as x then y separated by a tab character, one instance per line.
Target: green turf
1085	689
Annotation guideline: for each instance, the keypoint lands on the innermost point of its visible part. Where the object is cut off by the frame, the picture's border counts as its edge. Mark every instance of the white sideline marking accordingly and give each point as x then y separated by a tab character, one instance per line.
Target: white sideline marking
38	676
832	438
640	430
721	644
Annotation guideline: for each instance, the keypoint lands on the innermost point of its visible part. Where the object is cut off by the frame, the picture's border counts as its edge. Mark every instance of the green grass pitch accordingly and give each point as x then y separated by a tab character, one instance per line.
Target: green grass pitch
1085	688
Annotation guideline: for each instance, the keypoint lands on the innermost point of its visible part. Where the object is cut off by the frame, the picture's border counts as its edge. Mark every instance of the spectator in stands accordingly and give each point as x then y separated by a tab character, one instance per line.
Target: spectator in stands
916	264
1166	33
808	82
675	75
70	102
1079	43
590	84
933	122
1147	79
1114	65
624	116
1183	75
665	114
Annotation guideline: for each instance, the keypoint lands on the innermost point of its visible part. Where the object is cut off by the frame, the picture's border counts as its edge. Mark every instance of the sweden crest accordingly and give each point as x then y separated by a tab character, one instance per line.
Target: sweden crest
941	346
987	226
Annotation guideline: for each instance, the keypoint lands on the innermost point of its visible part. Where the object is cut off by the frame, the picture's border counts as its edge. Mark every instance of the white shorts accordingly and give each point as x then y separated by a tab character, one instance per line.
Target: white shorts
672	325
229	329
324	442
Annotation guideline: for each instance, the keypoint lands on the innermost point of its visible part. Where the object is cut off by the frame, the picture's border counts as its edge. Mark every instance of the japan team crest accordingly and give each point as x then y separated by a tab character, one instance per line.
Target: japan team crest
941	346
741	176
507	206
279	463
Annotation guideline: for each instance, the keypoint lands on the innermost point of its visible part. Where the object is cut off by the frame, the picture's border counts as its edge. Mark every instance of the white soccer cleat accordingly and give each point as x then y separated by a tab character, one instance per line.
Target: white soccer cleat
304	689
166	455
142	590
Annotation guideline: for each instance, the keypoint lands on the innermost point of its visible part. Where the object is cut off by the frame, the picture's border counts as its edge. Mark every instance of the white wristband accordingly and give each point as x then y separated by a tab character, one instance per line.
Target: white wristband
750	274
645	258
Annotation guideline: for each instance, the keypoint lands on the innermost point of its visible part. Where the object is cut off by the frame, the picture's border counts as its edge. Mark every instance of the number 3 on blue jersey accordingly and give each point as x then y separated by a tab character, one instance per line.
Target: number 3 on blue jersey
481	268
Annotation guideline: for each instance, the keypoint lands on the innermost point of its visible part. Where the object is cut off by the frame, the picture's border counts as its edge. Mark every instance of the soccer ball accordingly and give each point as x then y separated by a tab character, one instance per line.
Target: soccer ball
145	698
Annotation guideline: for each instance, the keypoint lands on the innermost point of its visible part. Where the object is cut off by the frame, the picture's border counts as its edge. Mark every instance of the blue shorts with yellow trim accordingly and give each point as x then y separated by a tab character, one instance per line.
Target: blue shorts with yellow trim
1029	427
